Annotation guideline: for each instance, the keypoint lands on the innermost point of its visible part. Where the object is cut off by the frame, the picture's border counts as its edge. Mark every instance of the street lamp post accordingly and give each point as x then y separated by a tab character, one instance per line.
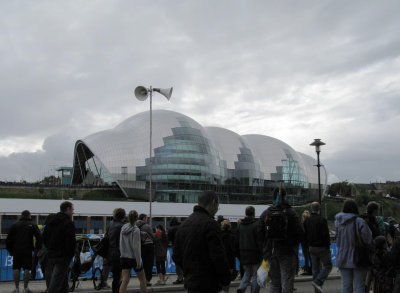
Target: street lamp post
141	94
318	143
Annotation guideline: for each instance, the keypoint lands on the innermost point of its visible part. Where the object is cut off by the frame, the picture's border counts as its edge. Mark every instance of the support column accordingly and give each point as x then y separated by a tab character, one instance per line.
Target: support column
104	224
88	222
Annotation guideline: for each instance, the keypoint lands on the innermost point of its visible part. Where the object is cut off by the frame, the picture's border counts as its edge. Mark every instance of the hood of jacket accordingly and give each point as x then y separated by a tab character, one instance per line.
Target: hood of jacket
247	221
57	218
345	218
128	228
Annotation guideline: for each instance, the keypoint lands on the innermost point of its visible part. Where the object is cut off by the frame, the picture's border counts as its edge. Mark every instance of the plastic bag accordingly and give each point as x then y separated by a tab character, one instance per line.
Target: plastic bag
262	274
85	257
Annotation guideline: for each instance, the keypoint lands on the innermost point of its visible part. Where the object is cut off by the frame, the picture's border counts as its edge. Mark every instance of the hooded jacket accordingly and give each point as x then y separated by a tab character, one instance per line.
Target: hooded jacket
198	250
144	227
249	241
59	236
345	240
20	238
129	243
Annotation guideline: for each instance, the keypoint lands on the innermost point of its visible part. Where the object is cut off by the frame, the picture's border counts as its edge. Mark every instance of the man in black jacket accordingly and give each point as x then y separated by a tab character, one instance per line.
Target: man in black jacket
114	254
147	247
249	250
19	244
199	251
282	254
318	240
59	238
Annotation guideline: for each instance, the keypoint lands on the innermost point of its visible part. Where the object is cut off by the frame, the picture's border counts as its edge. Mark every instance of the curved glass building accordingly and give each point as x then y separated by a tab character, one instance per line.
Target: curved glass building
188	158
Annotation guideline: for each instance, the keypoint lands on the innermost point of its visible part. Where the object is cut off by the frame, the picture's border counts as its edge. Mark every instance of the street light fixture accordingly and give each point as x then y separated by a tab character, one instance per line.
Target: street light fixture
141	94
318	143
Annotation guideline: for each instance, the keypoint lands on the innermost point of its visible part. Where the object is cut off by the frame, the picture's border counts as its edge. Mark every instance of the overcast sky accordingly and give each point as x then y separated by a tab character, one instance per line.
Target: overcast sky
295	71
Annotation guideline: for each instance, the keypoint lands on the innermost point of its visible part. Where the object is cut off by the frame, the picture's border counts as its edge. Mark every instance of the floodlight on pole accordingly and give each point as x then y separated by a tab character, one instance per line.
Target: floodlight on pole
141	94
318	143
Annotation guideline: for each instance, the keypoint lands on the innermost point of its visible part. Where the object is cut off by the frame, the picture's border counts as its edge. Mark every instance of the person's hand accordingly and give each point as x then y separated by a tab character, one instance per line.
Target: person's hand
225	288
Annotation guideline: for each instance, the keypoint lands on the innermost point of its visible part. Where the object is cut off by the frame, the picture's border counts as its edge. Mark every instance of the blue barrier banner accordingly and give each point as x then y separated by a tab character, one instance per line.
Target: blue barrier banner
6	272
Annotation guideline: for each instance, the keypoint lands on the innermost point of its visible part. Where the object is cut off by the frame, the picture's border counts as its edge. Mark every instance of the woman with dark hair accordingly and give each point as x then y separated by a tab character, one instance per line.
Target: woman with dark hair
161	246
349	226
130	247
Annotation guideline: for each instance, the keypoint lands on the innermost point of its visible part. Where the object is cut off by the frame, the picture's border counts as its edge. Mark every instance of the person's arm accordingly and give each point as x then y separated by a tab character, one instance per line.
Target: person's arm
10	241
70	241
148	230
325	233
365	232
137	247
217	253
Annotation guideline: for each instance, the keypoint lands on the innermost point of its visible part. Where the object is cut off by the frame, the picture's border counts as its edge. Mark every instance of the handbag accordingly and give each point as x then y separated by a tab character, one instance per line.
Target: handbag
101	248
361	252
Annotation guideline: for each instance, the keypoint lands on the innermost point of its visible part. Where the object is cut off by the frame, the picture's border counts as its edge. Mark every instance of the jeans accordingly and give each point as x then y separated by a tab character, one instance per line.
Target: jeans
320	255
250	274
58	273
282	271
356	275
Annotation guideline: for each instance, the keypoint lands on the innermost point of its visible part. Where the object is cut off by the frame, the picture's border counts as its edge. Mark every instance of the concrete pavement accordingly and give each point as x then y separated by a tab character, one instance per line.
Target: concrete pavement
87	285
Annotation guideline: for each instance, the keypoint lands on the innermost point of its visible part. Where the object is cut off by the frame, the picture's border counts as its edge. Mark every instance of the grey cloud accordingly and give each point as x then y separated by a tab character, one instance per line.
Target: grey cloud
291	71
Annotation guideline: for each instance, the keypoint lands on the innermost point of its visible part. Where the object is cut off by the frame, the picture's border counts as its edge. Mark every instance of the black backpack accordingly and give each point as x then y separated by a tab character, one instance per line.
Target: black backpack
276	223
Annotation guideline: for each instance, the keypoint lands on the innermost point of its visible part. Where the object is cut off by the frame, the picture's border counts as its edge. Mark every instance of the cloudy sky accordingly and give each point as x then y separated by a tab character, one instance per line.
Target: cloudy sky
295	71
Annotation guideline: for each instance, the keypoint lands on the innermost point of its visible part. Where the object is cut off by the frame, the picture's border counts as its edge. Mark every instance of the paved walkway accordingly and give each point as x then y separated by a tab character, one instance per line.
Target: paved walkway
87	285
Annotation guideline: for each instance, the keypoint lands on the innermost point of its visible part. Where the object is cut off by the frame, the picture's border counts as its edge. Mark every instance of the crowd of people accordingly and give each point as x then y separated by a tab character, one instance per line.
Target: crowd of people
205	250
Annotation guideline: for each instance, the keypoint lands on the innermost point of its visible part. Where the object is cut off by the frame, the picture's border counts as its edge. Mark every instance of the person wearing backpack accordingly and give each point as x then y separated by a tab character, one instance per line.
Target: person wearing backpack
282	232
147	247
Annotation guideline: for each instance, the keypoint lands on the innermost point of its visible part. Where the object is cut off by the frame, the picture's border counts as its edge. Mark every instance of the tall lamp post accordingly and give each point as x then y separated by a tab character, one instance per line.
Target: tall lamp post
141	94
318	143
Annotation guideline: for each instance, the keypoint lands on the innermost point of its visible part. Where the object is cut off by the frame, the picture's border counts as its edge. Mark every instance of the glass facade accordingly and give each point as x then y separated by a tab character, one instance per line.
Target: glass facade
188	158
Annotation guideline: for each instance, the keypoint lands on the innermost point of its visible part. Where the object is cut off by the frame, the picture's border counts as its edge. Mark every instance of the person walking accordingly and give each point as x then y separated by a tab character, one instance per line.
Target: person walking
307	269
19	244
319	242
229	241
281	230
59	239
130	247
199	251
147	247
249	250
173	228
349	226
370	217
160	248
113	256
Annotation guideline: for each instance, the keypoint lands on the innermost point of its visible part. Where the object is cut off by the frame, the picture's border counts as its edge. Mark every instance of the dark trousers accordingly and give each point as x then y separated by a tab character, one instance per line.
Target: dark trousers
160	265
116	271
148	260
58	272
307	257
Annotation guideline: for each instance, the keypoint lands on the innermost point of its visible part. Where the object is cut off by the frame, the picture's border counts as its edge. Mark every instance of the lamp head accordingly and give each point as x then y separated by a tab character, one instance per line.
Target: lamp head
317	143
